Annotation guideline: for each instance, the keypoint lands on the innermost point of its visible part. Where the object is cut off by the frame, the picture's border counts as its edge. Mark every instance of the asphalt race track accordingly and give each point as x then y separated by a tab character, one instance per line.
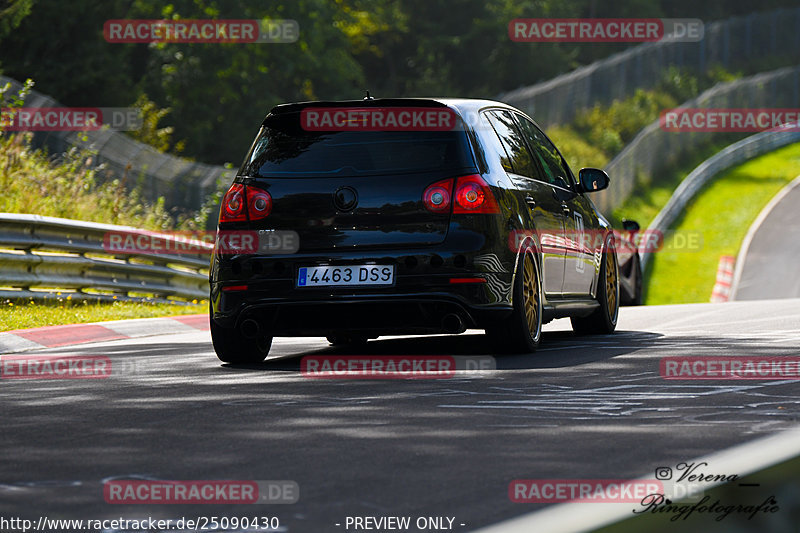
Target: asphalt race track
580	408
770	267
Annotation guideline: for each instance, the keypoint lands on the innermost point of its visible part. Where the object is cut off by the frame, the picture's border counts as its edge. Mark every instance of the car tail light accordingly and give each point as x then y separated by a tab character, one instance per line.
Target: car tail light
473	195
437	196
259	203
234	206
242	203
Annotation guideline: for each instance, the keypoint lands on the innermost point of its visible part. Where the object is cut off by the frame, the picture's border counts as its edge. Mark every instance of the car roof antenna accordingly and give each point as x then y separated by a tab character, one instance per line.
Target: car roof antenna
368	97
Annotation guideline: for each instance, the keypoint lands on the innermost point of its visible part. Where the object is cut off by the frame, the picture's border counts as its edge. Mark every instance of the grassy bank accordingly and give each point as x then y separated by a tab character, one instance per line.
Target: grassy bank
71	186
22	315
722	212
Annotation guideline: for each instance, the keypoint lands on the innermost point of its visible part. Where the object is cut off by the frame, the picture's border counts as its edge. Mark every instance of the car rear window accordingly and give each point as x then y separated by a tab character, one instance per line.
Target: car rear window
284	149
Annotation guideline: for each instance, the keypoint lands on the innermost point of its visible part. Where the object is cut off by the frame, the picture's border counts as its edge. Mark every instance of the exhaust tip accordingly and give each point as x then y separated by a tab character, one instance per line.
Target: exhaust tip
250	328
452	323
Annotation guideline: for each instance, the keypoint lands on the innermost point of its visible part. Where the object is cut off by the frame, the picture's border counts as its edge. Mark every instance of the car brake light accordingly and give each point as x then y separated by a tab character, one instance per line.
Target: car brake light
437	196
233	208
259	203
242	203
473	195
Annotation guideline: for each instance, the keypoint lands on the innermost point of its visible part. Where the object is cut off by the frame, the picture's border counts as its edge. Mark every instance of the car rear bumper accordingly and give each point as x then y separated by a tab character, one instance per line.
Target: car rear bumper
421	297
421	303
377	314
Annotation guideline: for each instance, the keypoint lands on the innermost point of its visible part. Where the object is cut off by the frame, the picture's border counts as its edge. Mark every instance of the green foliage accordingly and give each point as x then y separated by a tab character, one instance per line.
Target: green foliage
14	101
611	127
11	14
598	134
218	93
679	84
69	187
578	152
150	133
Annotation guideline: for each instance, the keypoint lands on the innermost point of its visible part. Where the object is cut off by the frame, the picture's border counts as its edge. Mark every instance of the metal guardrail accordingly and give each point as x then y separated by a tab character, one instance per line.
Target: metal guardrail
731	156
41	255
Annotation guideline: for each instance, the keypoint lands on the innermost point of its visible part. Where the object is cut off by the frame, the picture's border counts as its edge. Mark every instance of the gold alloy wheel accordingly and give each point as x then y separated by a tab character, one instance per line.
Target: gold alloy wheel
611	283
530	296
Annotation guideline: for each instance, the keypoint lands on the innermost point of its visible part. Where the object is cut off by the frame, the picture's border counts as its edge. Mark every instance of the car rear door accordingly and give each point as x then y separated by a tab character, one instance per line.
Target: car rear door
538	197
580	222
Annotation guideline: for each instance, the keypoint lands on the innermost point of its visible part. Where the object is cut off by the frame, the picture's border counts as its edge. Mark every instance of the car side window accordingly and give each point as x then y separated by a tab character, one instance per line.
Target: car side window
555	170
519	157
491	137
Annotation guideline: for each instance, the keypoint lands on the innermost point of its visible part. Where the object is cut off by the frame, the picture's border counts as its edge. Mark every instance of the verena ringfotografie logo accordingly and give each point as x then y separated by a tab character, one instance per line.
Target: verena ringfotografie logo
70	118
200	492
582	490
730	119
762	368
201	242
391	367
378	119
201	31
54	367
586	30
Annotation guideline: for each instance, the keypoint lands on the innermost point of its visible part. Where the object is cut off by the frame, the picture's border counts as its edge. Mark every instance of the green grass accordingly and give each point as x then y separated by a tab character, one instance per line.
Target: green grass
16	315
652	194
722	212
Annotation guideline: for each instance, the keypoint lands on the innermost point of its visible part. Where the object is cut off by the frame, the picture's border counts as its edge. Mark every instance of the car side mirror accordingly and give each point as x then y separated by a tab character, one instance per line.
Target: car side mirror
593	179
630	225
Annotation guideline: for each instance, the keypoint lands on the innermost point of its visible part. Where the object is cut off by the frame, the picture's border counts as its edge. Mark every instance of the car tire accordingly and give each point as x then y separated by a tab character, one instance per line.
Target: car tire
637	296
604	318
232	347
522	331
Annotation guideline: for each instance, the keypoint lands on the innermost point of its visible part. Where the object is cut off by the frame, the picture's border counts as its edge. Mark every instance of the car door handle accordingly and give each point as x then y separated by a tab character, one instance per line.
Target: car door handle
530	201
566	209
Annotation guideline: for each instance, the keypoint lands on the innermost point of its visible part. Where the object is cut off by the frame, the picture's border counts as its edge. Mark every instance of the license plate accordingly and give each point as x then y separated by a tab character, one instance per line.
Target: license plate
321	276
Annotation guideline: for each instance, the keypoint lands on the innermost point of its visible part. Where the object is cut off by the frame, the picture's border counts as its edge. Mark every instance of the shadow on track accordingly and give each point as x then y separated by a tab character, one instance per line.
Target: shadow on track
559	349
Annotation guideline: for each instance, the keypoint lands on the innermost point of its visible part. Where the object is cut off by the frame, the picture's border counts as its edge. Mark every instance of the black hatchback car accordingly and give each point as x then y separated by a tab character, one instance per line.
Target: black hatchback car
410	216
